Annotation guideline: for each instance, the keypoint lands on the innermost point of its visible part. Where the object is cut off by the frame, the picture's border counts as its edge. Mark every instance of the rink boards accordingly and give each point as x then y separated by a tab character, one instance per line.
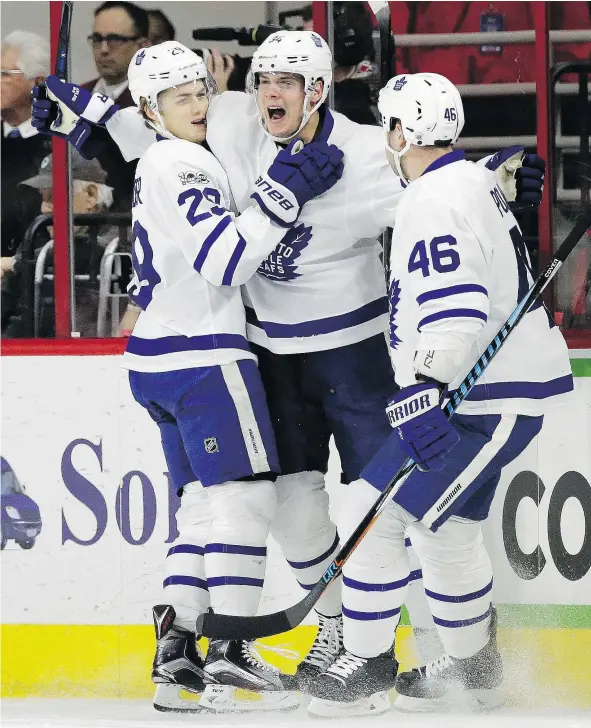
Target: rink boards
76	604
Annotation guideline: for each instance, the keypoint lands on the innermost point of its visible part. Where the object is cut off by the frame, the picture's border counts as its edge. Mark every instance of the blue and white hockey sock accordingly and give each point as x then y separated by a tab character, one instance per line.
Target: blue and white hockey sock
376	576
185	584
306	535
458	577
236	552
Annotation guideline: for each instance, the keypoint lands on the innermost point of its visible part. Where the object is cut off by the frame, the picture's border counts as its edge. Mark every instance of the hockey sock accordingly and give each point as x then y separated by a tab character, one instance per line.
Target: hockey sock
236	552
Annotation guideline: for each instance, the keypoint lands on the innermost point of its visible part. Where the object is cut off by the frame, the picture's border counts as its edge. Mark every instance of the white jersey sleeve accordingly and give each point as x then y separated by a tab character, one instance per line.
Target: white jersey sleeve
223	248
447	274
129	131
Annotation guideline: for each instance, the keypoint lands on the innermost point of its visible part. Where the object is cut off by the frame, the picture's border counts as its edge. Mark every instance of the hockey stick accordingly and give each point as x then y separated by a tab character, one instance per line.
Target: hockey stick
221	626
61	56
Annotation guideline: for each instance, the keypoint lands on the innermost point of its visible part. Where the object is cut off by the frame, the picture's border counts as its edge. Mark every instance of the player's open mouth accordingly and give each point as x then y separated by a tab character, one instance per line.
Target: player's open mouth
198	121
276	113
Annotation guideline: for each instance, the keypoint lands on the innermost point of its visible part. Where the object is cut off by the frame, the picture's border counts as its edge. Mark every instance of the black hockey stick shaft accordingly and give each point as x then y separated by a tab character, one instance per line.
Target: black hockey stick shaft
219	626
61	57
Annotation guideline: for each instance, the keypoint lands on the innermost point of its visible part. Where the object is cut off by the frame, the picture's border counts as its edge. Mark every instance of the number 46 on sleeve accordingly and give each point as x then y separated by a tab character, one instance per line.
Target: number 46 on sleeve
441	256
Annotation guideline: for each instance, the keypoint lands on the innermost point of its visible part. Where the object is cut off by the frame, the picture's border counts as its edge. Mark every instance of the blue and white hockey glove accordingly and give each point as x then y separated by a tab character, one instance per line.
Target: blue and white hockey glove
76	102
296	177
46	113
425	434
520	175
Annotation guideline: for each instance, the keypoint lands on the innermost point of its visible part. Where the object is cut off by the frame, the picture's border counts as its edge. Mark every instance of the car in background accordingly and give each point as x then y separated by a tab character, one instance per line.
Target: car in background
21	519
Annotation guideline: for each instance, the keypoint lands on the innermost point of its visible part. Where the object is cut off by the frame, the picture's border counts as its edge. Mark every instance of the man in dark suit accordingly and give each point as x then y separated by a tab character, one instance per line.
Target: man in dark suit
118	30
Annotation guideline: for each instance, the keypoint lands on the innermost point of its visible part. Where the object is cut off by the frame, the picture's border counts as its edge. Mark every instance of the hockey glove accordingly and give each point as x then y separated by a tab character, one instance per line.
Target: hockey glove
76	102
46	115
423	430
520	175
296	177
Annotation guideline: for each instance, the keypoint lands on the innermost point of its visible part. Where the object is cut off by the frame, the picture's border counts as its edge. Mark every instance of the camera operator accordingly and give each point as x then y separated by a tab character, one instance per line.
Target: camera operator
353	53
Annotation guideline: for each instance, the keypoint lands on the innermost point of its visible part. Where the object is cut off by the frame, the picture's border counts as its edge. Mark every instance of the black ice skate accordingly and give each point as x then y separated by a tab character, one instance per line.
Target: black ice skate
178	665
449	683
326	647
240	680
354	686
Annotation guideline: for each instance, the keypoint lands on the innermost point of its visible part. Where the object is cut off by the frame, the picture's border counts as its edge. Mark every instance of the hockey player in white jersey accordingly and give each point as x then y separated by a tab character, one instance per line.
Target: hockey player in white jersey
191	368
458	270
317	307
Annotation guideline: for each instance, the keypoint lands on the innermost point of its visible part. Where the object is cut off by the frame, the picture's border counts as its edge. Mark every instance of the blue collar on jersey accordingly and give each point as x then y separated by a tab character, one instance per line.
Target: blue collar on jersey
456	156
325	125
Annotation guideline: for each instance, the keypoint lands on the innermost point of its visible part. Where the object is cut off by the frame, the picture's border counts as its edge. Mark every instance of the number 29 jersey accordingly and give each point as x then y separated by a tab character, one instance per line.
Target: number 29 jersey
459	266
190	256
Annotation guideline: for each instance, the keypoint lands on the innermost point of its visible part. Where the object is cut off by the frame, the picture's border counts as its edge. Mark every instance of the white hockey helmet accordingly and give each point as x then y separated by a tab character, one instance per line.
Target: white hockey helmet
427	106
163	66
301	52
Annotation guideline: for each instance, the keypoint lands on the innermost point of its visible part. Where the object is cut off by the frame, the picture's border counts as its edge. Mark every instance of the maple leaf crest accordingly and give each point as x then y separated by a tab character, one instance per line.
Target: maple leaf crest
394	300
280	265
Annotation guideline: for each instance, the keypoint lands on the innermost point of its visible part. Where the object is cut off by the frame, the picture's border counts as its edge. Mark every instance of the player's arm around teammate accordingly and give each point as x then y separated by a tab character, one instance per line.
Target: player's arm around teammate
191	368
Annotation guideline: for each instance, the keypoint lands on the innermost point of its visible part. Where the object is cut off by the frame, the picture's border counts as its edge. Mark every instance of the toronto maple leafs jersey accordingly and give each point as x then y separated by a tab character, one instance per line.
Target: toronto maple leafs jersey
323	286
190	256
458	269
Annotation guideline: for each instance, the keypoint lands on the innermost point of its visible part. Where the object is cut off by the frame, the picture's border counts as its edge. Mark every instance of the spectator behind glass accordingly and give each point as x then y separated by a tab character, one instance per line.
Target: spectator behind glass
119	29
89	194
160	28
25	60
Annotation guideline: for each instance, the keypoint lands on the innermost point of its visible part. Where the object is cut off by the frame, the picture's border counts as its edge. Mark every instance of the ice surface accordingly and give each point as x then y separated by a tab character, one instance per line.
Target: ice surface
41	713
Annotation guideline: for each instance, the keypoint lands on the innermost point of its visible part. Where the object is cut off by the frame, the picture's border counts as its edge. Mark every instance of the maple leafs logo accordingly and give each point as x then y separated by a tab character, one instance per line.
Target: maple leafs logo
280	264
394	300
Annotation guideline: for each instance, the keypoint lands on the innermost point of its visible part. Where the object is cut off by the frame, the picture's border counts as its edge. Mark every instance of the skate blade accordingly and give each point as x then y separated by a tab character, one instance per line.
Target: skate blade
229	699
176	699
461	701
377	704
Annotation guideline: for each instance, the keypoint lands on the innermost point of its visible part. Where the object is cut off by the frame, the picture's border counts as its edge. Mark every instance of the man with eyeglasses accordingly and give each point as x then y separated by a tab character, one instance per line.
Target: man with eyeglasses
119	30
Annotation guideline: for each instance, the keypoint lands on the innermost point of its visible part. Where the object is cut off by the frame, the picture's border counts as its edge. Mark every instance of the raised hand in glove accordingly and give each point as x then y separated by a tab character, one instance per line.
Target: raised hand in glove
296	177
45	118
520	175
424	432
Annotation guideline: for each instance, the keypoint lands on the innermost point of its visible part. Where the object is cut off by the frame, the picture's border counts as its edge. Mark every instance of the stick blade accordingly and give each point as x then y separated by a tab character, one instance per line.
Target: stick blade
229	627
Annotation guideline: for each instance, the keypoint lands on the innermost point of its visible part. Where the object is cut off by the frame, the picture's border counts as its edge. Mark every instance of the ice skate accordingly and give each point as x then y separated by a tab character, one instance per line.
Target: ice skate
449	683
326	647
353	686
239	680
178	665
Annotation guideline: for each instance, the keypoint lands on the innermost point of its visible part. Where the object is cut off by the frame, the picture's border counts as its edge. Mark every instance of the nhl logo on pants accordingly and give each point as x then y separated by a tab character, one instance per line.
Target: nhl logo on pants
211	445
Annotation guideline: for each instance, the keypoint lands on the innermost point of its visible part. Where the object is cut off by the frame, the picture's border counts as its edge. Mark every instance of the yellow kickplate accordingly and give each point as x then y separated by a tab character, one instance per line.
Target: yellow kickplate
188	695
247	696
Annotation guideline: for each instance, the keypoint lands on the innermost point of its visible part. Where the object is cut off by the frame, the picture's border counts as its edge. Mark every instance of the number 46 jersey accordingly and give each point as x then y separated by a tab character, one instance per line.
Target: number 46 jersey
190	255
459	266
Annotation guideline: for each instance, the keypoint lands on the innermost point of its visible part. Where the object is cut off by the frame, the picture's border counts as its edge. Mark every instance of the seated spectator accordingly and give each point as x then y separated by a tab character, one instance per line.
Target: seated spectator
160	28
90	194
119	29
25	61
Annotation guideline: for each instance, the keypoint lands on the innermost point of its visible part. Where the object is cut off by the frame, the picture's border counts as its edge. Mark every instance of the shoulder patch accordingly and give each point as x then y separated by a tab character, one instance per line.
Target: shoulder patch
193	178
